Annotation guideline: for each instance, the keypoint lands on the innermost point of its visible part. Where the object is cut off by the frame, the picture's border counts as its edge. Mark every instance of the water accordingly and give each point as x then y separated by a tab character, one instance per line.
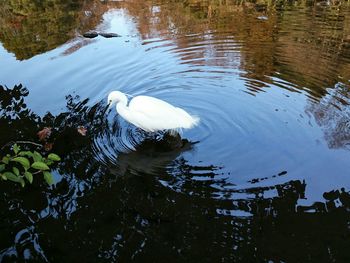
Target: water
264	177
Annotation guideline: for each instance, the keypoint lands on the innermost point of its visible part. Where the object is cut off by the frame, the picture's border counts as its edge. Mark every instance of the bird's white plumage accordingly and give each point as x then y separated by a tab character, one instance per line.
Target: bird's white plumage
152	114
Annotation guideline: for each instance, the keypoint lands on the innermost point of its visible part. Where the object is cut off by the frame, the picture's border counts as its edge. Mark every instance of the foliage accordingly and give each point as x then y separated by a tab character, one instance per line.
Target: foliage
20	166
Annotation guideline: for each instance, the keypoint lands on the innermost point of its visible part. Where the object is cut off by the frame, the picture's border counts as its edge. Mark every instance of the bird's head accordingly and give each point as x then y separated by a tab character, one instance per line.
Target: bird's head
116	97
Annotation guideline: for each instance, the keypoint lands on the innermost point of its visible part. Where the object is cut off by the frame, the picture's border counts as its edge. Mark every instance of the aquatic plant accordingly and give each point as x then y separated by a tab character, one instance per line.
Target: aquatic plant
20	166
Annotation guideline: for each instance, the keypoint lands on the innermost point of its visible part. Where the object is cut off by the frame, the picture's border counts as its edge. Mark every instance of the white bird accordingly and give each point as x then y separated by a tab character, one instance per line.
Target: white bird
151	114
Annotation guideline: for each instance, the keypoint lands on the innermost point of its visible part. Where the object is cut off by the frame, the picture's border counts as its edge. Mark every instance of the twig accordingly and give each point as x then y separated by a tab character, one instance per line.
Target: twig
21	142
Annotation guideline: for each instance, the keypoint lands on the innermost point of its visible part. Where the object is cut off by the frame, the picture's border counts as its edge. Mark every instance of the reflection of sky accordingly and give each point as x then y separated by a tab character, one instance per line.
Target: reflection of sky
248	136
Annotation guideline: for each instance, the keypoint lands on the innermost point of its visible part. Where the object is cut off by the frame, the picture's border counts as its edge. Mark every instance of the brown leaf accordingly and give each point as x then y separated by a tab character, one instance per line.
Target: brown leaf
48	146
44	134
82	130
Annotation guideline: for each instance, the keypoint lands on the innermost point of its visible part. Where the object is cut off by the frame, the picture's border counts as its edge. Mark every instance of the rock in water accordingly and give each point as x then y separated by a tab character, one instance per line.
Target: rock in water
90	34
109	35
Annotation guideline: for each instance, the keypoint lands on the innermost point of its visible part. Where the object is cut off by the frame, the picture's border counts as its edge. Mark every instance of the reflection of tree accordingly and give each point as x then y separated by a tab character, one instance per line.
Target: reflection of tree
277	44
20	123
28	28
316	56
119	212
136	218
333	116
230	35
15	115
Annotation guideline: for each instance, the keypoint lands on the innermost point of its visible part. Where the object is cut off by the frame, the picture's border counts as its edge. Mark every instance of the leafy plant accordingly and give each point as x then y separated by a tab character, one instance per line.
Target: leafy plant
21	166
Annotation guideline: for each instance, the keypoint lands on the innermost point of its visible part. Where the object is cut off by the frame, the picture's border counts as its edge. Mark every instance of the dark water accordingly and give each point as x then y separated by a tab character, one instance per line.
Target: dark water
264	177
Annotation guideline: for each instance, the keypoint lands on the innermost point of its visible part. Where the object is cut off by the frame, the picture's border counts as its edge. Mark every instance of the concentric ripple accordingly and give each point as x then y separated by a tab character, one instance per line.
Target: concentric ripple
264	86
252	109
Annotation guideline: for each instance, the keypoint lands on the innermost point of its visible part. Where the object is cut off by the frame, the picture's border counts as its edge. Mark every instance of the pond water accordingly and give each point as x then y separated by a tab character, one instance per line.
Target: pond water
263	178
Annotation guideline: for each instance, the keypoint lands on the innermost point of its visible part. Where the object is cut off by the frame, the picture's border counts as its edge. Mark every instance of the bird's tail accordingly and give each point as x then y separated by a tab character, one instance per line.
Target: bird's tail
195	121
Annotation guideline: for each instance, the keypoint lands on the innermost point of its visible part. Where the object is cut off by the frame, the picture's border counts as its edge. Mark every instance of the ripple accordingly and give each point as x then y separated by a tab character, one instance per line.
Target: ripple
113	140
271	88
249	87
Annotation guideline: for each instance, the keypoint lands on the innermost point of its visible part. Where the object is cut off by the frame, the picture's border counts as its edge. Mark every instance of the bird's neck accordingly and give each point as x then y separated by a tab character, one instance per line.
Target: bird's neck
122	108
122	101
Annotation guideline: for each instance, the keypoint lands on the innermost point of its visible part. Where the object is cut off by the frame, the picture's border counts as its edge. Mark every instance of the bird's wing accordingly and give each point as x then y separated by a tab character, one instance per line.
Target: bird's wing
151	106
158	114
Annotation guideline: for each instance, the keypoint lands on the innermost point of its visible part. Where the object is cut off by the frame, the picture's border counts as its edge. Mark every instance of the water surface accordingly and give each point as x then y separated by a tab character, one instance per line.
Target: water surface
264	177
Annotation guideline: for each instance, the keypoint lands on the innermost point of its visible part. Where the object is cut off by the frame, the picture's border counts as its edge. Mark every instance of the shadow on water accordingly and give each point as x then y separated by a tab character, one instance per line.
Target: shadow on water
149	204
153	153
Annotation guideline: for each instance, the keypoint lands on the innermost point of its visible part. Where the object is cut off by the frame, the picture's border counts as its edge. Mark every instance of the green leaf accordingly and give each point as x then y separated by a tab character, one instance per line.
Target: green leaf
11	177
15	171
22	182
54	157
22	160
16	148
37	157
48	178
40	166
29	177
5	160
3	177
2	167
26	153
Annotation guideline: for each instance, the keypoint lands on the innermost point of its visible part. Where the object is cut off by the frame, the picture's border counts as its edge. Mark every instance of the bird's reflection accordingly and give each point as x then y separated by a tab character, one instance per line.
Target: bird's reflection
153	153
